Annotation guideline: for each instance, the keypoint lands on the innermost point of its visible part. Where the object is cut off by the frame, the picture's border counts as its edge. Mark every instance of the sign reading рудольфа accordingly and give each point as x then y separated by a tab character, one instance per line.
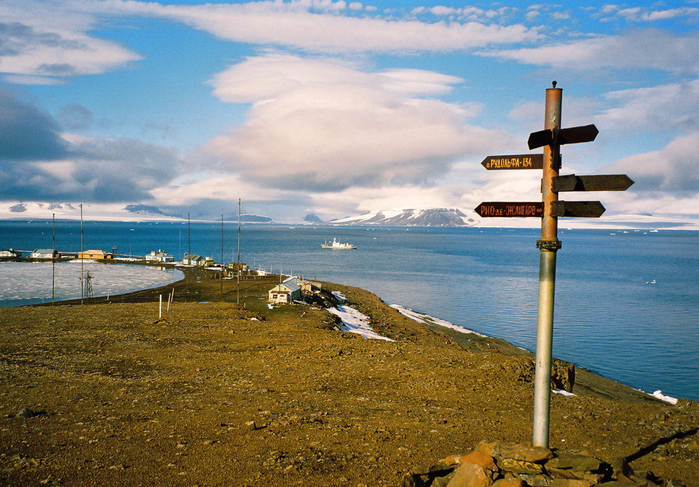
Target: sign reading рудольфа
527	161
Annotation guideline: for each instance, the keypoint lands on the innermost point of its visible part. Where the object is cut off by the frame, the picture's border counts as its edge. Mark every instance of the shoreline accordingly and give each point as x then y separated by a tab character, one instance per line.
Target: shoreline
592	381
216	393
445	325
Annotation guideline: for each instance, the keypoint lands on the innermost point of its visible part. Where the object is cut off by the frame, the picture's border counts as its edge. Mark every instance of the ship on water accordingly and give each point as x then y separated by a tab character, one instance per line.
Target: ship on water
337	245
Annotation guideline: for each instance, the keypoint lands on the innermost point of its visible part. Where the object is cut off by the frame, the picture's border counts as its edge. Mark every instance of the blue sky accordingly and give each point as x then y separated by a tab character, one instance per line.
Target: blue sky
337	108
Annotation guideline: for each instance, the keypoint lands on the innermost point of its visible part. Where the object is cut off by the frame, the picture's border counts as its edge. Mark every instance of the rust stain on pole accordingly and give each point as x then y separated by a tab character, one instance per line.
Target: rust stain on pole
552	158
548	246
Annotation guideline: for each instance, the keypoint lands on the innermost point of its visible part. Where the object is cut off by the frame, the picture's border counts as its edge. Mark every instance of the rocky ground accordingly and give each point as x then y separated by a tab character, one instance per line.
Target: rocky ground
220	390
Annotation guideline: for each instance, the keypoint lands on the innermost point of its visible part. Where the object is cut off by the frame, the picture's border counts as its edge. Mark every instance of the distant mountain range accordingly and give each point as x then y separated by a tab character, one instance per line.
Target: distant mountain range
154	210
146	209
253	219
432	217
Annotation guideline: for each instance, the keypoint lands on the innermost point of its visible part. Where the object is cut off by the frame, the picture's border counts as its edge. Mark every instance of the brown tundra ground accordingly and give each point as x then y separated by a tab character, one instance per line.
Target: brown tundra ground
218	393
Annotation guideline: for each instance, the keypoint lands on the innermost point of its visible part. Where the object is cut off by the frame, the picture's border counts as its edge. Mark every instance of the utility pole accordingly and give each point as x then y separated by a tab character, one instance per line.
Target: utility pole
53	266
237	270
238	232
222	269
82	258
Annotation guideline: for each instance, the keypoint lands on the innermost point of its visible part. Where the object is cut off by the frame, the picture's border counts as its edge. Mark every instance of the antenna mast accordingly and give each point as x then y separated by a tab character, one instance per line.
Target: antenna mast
82	258
222	271
53	267
237	273
238	232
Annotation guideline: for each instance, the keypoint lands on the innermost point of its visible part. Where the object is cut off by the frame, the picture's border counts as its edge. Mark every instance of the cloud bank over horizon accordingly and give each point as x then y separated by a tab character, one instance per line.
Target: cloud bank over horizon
336	108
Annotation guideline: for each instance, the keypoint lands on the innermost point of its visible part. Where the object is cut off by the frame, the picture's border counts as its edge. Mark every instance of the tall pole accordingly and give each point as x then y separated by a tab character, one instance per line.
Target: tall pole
548	245
222	271
53	266
237	272
239	233
82	258
189	241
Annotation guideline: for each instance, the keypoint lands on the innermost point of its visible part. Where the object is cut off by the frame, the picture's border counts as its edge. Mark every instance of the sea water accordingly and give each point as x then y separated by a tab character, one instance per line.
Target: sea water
626	305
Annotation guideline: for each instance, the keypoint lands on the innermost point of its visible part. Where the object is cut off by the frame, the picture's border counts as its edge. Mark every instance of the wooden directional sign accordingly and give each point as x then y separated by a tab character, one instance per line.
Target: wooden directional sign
572	135
526	161
501	209
577	135
585	209
610	182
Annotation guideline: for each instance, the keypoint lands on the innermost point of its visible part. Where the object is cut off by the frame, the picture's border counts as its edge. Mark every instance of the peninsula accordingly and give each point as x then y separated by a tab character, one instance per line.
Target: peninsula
216	388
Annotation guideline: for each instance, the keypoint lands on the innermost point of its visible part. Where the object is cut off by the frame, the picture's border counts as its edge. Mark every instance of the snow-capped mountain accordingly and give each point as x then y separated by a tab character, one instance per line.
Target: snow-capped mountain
432	217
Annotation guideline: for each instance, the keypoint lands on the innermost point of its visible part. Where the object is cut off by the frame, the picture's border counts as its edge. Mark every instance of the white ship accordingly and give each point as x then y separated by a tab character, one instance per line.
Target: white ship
337	245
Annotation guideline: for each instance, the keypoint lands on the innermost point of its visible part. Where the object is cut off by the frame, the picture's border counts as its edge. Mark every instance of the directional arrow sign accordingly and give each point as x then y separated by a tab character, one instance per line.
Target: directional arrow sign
585	209
501	209
610	182
540	139
577	135
572	135
526	161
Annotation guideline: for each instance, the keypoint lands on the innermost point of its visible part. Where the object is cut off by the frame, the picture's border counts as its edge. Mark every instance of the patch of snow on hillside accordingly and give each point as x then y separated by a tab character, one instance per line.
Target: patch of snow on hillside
356	322
427	319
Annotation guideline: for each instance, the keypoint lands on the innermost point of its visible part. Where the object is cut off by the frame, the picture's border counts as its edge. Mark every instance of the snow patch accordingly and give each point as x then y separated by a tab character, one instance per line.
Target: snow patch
426	319
659	395
356	322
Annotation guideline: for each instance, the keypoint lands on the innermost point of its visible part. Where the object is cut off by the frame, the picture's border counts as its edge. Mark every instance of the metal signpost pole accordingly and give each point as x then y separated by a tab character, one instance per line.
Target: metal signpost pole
548	245
549	209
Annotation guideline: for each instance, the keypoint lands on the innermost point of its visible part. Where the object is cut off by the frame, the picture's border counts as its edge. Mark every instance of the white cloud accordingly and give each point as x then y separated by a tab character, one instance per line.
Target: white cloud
635	50
266	77
442	10
36	48
298	25
672	14
641	14
323	125
667	107
532	15
672	169
225	187
22	79
417	82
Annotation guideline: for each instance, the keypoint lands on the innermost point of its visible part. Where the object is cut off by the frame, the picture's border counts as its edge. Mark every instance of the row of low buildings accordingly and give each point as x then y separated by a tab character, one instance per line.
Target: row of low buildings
155	256
53	254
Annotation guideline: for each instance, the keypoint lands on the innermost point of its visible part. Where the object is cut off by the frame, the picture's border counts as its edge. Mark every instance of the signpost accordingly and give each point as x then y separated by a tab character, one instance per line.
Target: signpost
549	210
611	182
527	161
585	209
501	209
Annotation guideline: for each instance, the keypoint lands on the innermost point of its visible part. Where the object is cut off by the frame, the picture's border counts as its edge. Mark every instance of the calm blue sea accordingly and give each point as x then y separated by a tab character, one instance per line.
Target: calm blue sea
627	302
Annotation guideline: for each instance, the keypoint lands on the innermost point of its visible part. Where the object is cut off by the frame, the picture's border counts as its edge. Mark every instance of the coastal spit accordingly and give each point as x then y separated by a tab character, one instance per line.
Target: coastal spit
221	390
